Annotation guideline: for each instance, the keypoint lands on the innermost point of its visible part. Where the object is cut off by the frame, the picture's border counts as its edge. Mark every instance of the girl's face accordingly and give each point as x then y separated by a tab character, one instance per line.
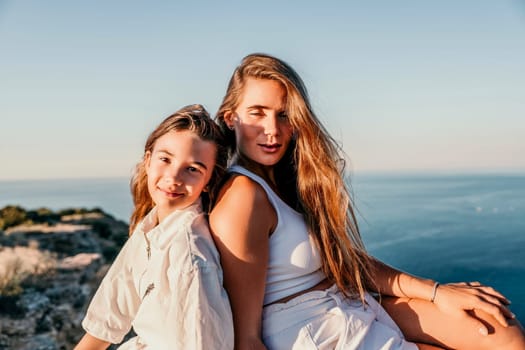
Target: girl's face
262	129
178	168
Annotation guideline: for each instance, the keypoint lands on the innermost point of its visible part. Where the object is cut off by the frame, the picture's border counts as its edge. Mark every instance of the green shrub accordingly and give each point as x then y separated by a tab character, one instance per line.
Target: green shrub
110	253
72	211
12	215
103	229
43	215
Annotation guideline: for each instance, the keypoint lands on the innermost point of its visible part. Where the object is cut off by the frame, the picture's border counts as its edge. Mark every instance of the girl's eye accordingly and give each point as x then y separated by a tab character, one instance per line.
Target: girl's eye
164	159
283	115
192	169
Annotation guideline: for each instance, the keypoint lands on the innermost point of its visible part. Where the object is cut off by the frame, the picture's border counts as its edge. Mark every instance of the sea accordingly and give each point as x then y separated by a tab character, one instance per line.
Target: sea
448	227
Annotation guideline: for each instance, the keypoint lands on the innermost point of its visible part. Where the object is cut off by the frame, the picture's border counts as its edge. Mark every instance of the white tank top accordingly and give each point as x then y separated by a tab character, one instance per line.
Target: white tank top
294	262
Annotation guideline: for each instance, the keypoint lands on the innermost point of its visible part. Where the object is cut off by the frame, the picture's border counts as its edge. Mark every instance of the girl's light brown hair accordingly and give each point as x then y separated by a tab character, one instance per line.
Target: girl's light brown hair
195	119
311	175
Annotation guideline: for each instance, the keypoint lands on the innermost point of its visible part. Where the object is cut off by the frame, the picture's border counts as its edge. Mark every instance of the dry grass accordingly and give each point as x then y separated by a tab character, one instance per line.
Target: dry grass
45	228
18	263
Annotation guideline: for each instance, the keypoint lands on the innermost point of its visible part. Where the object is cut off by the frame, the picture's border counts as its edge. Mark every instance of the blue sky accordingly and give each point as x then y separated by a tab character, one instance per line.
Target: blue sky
403	85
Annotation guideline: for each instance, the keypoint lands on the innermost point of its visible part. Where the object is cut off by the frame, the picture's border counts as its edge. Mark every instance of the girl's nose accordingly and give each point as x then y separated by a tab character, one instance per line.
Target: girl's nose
174	176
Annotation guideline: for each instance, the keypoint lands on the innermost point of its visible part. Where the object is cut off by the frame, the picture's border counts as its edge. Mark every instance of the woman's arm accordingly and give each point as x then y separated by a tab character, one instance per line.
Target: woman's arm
241	223
89	342
454	298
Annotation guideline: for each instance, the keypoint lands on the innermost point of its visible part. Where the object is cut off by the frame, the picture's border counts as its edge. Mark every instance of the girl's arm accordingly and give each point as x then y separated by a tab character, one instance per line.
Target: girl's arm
454	298
89	342
116	301
241	223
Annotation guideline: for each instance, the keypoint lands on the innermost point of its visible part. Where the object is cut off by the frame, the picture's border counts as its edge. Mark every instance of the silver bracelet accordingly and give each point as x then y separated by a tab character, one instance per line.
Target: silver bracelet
434	290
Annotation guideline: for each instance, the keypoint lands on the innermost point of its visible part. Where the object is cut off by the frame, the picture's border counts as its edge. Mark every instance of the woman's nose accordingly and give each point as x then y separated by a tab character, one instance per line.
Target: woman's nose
271	125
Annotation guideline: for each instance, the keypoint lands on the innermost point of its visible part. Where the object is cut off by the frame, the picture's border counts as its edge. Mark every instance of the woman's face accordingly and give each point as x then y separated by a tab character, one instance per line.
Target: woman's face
262	129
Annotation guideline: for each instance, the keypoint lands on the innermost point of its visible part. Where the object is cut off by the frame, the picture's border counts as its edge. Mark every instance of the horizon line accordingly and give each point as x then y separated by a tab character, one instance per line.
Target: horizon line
351	172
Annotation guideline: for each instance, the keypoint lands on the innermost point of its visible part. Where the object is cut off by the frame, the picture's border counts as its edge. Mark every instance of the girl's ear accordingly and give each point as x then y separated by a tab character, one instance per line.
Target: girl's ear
147	159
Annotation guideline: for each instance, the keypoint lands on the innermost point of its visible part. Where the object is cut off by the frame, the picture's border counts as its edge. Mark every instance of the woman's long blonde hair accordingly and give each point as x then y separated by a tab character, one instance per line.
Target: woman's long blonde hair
197	120
311	175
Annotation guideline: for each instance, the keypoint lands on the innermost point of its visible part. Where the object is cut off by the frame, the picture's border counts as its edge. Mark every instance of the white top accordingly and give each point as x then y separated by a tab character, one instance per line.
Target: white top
173	298
294	262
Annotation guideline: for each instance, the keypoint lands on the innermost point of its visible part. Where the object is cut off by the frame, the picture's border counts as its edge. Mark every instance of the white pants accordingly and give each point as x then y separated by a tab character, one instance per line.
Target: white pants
328	320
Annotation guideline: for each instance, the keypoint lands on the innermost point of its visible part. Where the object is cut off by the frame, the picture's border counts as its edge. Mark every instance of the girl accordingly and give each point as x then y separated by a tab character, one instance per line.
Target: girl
295	268
167	282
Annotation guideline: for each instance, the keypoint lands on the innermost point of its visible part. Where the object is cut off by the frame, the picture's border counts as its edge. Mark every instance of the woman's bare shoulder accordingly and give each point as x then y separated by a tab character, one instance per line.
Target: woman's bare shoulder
241	189
242	201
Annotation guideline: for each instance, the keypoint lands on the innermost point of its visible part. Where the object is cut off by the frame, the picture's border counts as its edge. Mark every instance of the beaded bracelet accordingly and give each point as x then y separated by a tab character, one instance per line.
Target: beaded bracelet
434	290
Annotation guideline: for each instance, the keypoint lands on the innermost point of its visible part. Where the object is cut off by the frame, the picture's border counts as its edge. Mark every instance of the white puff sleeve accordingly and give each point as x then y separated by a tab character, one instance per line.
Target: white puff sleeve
116	301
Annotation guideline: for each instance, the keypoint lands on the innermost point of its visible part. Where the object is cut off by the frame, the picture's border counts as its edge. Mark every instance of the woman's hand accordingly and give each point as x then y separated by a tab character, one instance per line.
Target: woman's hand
457	298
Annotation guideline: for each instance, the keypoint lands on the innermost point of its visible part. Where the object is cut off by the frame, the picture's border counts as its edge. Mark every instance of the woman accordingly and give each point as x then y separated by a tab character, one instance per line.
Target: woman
295	268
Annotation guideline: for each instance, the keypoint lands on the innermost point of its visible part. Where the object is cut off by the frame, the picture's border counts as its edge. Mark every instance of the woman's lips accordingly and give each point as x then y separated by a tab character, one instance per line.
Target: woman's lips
270	148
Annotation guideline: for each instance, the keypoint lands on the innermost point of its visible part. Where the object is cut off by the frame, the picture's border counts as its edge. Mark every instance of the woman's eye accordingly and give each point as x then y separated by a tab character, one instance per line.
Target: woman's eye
192	169
283	115
164	159
256	113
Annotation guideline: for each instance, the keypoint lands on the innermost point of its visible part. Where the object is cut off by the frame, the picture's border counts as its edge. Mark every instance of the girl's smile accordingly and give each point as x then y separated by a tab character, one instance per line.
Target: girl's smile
171	194
178	168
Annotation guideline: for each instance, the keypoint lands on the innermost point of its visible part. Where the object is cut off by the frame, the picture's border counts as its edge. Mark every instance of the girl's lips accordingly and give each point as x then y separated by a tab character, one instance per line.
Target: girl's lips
170	194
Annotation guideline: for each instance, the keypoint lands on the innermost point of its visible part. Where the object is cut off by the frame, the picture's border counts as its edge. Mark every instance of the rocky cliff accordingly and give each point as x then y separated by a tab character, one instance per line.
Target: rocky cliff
50	265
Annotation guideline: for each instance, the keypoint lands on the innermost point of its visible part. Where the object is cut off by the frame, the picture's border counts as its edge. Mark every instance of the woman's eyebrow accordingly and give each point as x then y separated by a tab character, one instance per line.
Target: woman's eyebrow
257	107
